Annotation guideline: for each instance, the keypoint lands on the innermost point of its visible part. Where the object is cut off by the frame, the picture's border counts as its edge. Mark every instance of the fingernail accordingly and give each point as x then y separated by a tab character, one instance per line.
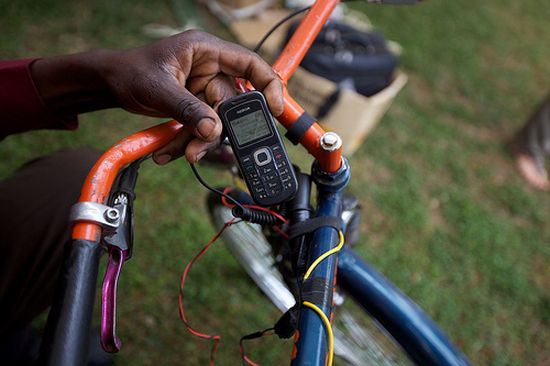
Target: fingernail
205	127
162	159
282	108
201	155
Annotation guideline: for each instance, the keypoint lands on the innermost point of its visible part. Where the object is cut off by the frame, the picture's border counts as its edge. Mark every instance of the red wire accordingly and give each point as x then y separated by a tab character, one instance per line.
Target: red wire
245	357
249	361
224	200
215	338
268	211
277	229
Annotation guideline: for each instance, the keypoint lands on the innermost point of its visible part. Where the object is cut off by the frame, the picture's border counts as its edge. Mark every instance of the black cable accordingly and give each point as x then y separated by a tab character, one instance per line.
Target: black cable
254	335
281	22
210	188
247	214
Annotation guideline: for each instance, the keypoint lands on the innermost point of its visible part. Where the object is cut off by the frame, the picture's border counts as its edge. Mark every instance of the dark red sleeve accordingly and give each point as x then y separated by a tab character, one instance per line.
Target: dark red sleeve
21	108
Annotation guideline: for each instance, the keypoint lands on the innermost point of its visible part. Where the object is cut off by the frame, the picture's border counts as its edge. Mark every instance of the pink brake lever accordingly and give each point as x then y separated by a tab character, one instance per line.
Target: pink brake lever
109	340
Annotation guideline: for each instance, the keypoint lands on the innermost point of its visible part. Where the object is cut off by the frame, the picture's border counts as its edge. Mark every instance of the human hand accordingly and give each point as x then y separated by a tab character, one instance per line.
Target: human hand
184	77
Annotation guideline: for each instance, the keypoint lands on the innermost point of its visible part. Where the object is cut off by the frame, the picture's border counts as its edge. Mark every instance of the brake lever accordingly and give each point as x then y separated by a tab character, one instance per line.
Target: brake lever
109	340
119	243
119	246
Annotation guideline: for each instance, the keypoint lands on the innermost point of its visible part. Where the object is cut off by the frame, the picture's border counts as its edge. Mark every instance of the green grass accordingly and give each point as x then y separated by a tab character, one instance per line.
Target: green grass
447	217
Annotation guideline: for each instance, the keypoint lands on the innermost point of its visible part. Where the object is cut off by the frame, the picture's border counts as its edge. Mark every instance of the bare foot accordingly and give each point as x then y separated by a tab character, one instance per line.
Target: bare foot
534	175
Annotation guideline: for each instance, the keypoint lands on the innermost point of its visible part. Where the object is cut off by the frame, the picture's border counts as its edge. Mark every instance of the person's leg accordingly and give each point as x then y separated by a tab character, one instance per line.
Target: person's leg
34	208
532	145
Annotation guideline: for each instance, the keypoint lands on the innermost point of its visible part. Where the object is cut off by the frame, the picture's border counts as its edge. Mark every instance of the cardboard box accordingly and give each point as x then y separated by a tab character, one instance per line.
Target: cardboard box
353	116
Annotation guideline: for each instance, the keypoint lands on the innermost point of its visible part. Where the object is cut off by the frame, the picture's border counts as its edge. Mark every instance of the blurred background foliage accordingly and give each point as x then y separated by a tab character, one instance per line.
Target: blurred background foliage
447	218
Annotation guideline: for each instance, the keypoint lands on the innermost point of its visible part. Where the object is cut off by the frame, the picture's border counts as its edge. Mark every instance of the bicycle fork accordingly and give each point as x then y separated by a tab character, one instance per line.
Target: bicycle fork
310	346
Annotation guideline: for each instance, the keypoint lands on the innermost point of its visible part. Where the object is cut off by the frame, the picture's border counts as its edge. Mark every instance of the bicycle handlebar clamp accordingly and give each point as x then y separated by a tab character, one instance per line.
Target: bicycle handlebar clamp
106	216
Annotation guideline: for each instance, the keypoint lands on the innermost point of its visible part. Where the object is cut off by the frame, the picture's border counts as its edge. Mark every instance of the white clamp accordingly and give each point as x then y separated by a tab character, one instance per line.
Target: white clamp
104	215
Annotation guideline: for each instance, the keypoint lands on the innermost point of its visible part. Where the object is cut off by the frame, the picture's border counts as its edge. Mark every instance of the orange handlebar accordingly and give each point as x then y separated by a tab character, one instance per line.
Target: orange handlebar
102	175
98	184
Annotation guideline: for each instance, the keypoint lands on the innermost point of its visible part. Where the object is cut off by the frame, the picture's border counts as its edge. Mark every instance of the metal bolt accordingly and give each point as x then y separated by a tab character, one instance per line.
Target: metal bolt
331	141
111	215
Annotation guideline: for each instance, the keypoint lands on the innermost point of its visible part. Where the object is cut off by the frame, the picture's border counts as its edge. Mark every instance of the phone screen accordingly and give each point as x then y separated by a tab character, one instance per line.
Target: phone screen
251	127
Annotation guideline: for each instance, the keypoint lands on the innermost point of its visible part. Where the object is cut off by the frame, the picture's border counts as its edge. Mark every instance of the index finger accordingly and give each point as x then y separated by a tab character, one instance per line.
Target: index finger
237	61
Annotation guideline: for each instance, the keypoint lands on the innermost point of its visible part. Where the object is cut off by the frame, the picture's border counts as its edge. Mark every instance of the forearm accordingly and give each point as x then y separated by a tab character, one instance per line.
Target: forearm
182	77
74	84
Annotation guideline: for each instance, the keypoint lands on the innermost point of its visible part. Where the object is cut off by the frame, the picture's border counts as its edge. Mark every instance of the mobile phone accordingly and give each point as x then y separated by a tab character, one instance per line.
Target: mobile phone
258	147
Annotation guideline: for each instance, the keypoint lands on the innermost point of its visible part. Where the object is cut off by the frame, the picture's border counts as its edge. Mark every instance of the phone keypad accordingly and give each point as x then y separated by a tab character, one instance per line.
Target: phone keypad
268	171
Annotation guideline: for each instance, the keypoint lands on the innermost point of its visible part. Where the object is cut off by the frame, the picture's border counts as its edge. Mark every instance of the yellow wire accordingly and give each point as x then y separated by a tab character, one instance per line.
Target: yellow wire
328	328
314	307
336	249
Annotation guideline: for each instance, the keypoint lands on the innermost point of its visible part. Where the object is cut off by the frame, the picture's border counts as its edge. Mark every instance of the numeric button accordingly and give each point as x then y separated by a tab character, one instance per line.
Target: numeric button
266	170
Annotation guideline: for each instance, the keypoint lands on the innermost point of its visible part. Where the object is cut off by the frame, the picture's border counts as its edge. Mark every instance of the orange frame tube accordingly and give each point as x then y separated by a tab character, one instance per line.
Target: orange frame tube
287	63
300	42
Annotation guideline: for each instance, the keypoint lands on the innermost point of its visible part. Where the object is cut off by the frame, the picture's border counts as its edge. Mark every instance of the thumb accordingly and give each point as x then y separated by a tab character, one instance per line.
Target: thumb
187	109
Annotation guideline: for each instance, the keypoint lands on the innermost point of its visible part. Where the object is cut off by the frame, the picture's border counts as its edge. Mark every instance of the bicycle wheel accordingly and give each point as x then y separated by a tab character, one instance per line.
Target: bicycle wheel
358	339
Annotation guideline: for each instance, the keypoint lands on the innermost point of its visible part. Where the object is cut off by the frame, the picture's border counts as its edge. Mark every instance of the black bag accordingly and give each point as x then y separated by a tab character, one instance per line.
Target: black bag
354	59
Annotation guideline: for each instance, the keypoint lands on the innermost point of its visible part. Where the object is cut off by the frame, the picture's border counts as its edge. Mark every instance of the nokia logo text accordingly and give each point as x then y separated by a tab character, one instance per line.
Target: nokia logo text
243	110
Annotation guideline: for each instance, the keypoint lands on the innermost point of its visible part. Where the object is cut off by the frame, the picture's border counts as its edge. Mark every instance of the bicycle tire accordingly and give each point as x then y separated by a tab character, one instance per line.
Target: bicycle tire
358	339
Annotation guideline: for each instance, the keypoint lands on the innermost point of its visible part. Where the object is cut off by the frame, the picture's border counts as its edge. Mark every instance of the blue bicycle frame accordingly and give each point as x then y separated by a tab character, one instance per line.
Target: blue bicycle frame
66	337
411	328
